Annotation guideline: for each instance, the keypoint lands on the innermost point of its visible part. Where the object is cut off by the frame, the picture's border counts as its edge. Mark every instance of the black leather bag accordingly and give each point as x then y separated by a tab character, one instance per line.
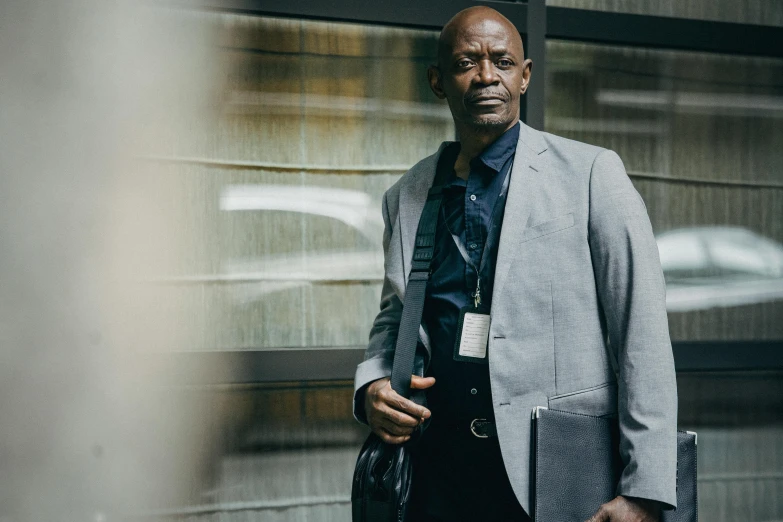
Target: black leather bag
577	466
383	475
381	482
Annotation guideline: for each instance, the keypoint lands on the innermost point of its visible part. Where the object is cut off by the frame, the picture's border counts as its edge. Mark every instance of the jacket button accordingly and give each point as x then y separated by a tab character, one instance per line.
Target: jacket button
473	391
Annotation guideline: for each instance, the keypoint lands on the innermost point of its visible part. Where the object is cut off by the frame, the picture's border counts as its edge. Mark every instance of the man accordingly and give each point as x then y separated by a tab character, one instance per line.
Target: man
569	288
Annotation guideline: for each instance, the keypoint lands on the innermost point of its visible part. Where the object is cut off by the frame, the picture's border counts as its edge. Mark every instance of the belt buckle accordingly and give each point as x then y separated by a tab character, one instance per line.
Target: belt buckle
473	428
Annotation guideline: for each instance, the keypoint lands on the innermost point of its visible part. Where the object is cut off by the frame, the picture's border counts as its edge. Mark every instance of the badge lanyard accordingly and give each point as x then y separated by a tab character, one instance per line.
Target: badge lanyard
490	230
473	325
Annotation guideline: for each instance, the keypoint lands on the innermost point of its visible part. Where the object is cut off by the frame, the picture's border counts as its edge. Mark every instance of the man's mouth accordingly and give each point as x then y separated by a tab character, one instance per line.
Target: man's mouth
487	100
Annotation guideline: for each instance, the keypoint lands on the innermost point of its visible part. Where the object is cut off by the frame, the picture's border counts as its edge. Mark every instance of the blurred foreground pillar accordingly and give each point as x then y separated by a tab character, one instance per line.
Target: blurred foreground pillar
88	430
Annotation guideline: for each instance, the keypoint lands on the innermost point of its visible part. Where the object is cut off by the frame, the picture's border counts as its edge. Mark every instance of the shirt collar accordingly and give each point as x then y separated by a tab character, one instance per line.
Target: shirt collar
498	152
446	165
492	158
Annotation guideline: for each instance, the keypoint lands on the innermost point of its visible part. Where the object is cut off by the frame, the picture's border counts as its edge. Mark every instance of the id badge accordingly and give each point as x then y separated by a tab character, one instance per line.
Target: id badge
472	335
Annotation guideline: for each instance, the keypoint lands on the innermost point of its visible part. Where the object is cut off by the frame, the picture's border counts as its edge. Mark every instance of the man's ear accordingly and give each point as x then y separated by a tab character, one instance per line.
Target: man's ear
433	75
527	69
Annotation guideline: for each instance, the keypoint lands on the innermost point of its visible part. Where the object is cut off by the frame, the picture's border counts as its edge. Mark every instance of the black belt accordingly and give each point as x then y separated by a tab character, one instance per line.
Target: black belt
479	427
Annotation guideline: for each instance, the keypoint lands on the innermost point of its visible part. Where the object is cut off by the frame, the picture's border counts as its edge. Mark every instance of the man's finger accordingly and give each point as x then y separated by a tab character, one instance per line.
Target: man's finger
390	438
395	429
400	403
401	419
397	417
602	515
421	383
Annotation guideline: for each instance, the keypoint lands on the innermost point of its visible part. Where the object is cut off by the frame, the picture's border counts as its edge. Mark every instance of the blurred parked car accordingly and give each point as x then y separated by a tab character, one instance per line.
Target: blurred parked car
343	212
704	267
707	267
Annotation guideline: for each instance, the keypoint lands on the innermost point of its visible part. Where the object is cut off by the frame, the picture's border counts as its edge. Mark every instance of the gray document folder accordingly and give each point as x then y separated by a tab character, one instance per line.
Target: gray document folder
577	465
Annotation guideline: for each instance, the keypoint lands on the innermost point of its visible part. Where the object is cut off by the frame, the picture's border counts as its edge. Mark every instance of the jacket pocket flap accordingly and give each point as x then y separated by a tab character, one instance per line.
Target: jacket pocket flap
597	400
548	227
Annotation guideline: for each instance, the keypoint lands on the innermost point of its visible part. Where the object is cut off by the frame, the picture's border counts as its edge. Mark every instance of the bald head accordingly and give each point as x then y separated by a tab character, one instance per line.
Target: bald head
482	71
469	21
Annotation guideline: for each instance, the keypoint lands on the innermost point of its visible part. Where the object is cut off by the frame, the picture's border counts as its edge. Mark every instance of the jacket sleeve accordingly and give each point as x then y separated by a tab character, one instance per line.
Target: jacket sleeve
383	336
632	293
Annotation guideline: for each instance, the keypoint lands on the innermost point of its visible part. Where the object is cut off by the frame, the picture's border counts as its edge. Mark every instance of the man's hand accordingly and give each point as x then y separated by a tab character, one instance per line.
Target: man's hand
390	415
624	509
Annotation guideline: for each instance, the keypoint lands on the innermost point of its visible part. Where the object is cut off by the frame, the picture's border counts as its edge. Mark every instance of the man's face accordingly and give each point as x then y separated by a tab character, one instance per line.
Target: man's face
482	74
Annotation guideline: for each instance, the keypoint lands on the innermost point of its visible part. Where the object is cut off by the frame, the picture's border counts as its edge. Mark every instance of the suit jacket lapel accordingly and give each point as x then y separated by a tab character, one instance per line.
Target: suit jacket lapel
523	188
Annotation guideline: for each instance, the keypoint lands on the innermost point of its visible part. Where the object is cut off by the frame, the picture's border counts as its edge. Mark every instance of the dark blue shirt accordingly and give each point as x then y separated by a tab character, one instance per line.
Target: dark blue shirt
462	389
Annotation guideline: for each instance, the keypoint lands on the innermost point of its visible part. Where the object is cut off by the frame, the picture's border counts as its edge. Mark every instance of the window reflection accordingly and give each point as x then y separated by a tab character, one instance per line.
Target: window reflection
708	267
344	211
278	200
758	12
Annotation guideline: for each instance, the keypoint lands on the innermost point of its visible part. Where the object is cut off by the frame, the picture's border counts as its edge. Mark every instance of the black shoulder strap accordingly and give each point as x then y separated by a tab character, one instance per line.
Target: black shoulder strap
413	304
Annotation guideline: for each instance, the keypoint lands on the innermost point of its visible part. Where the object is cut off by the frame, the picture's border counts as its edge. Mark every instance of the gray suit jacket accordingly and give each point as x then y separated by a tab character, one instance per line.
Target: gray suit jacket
578	315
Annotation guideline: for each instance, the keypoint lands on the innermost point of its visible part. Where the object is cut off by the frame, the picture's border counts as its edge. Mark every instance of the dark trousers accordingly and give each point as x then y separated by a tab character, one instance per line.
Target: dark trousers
458	477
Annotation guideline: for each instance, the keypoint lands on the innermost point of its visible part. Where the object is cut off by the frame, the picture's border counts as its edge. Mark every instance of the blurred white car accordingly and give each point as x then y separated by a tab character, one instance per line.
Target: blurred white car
353	209
707	267
704	267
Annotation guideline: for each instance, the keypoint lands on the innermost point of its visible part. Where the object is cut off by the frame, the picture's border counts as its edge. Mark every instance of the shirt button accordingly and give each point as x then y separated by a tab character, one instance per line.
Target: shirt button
473	197
473	391
473	246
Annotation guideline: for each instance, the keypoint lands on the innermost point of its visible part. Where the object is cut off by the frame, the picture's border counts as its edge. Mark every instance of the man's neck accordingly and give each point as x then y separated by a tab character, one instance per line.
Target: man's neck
473	141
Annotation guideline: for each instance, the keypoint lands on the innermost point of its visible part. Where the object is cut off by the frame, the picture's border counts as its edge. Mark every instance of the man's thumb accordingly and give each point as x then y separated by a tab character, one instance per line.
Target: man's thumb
421	383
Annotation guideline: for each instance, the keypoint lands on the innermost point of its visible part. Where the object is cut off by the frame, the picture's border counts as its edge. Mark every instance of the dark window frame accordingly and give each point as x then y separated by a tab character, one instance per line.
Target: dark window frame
537	23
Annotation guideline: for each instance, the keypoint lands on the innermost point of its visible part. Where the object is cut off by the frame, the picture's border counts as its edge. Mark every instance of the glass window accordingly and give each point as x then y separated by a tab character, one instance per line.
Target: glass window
277	452
700	136
760	12
737	416
276	195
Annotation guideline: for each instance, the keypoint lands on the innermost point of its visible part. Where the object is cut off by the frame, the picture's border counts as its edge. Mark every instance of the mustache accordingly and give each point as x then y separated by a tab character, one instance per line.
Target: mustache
473	96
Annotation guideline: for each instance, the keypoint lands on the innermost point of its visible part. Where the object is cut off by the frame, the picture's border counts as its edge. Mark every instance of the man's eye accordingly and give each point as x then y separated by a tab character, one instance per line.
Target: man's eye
505	63
464	63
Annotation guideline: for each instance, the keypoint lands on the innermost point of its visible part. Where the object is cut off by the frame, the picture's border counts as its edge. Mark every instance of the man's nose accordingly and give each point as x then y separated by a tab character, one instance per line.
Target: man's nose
487	75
